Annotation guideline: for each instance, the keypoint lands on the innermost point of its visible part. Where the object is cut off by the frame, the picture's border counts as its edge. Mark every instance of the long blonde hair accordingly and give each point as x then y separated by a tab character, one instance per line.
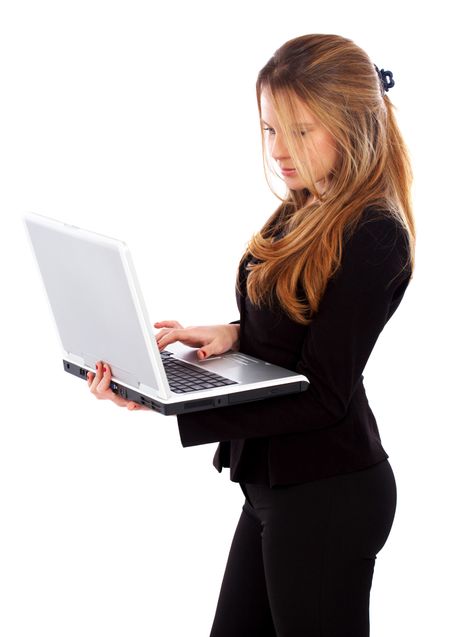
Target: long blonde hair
338	82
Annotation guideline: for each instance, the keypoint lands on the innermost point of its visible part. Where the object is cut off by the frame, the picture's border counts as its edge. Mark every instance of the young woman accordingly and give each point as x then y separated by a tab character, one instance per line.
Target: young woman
315	288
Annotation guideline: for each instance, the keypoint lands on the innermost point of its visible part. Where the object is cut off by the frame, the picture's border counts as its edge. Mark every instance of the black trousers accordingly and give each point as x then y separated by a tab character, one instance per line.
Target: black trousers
302	558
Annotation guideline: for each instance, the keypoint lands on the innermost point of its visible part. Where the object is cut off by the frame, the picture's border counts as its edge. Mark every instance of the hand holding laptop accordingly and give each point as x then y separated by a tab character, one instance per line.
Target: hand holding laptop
213	339
99	385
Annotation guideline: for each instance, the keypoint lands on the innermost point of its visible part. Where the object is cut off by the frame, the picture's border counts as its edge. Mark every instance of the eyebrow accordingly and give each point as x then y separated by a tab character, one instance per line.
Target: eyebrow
298	123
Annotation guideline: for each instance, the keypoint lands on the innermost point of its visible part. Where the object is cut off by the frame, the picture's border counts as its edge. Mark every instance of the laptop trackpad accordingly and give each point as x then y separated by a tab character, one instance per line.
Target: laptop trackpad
230	364
237	366
213	363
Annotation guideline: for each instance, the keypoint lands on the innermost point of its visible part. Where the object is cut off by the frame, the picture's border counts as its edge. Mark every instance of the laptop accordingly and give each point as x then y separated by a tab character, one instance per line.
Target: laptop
100	314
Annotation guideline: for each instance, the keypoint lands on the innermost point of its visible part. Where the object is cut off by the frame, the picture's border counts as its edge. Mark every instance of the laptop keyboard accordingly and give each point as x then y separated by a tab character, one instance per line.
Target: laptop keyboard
183	377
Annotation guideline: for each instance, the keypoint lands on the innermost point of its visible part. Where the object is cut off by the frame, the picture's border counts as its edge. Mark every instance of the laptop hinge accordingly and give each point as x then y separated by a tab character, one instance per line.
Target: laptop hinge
146	389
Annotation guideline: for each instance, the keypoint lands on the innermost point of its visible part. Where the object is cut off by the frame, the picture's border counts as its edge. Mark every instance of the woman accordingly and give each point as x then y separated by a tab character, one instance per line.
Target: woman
315	288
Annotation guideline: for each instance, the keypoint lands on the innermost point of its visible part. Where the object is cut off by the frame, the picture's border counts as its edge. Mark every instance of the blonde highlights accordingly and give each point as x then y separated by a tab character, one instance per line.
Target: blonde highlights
337	81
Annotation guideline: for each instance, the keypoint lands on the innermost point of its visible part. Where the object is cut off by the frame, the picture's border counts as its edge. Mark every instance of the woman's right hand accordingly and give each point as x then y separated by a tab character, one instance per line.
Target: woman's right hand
98	384
212	339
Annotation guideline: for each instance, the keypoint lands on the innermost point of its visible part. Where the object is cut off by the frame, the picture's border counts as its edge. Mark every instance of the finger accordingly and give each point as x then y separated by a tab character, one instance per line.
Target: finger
215	347
170	325
167	324
96	377
100	385
104	390
90	378
169	337
161	333
105	380
207	350
132	406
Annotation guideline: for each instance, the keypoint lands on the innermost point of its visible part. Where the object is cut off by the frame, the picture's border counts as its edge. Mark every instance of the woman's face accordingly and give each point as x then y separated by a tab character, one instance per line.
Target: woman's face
321	145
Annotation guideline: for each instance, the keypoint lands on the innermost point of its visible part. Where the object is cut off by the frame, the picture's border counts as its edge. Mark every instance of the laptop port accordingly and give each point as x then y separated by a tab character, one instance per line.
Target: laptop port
147	402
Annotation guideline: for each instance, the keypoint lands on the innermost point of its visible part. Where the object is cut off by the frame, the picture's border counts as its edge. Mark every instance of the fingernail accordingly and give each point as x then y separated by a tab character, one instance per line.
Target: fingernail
104	369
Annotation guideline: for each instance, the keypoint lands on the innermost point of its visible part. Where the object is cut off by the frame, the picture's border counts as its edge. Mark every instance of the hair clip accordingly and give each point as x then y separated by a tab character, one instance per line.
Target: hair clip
384	76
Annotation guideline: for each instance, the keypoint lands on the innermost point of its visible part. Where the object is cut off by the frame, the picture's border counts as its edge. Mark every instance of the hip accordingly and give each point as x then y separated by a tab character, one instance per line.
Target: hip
353	506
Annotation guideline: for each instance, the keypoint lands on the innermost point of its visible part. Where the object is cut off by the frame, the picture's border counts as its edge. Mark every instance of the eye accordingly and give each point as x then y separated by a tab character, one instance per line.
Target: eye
303	133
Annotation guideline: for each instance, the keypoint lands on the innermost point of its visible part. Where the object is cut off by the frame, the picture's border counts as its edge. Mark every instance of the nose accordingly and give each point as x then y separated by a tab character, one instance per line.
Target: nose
278	150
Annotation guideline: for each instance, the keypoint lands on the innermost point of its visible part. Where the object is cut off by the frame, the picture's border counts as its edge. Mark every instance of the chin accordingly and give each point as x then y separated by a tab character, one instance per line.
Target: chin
294	183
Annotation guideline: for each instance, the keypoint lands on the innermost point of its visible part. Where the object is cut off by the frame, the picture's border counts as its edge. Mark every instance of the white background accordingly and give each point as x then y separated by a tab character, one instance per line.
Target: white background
139	120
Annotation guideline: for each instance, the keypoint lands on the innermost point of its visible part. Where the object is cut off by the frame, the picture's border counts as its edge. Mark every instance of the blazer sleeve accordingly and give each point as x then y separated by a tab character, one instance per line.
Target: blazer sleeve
358	301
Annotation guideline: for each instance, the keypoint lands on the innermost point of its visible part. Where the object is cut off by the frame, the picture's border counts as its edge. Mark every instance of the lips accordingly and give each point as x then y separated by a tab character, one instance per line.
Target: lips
288	171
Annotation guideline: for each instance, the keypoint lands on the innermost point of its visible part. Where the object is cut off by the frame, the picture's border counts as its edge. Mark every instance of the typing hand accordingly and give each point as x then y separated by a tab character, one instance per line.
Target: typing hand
212	339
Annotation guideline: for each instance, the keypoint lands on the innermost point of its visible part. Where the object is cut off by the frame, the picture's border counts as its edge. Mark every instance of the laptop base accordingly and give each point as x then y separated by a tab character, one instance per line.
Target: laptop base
212	402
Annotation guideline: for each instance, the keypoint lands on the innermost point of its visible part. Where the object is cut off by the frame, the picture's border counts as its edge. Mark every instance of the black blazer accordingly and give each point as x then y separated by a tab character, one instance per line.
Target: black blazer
330	428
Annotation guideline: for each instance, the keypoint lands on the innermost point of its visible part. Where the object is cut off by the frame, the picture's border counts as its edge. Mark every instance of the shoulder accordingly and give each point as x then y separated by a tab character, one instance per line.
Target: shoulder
378	234
377	223
377	247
